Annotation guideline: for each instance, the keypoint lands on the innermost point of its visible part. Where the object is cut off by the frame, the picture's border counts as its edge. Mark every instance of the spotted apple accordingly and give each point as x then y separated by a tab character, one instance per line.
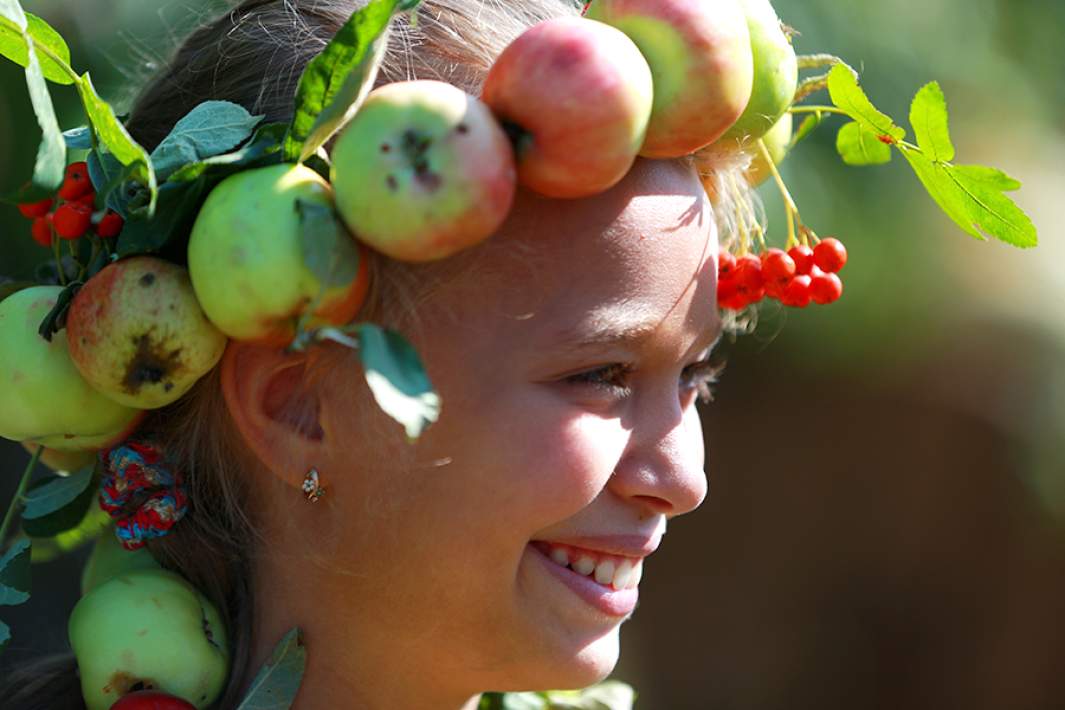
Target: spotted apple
699	52
45	399
148	629
576	96
246	261
422	171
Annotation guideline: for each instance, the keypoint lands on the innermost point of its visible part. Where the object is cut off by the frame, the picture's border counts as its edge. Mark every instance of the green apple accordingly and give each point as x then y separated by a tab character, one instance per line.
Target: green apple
776	142
246	261
45	399
700	57
109	559
423	171
138	334
152	629
776	72
577	96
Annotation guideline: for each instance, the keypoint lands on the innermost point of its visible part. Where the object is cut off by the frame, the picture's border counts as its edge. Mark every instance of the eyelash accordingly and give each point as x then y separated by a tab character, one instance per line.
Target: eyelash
700	376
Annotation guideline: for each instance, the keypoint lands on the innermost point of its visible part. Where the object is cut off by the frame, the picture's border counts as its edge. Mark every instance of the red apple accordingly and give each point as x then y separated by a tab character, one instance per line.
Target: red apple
576	95
700	57
151	700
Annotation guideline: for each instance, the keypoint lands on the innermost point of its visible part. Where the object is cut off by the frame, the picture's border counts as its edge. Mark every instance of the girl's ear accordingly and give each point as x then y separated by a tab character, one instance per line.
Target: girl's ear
276	407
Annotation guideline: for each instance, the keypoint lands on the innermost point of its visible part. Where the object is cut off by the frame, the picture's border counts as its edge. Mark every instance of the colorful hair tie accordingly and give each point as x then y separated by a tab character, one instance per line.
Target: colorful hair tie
141	491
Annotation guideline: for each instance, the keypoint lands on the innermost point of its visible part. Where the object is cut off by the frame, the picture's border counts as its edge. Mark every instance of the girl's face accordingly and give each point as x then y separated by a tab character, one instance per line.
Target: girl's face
567	360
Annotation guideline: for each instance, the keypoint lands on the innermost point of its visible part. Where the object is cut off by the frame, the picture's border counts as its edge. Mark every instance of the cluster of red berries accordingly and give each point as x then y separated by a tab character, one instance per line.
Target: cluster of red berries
74	215
794	277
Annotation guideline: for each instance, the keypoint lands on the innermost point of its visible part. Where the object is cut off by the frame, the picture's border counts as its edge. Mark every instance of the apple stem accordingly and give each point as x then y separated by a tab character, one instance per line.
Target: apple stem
23	483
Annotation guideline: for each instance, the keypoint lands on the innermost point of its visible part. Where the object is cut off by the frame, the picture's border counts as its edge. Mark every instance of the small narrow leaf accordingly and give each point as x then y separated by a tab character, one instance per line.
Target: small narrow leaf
56	493
66	517
277	682
209	129
328	250
849	97
397	378
13	46
808	126
859	146
929	118
15	574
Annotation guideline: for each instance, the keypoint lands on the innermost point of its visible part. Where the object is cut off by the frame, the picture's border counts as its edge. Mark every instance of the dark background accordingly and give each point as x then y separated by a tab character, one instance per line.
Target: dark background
887	489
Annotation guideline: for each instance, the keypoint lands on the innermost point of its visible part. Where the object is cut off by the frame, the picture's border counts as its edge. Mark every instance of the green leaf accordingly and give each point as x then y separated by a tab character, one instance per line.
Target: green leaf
211	128
79	138
56	493
67	517
56	319
857	145
5	635
52	152
13	44
808	126
522	701
328	250
277	682
257	152
175	211
397	378
334	84
848	96
95	522
928	115
972	196
15	574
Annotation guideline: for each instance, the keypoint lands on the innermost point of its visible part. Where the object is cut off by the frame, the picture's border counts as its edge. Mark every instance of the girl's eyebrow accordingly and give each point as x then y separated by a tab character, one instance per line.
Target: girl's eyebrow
617	326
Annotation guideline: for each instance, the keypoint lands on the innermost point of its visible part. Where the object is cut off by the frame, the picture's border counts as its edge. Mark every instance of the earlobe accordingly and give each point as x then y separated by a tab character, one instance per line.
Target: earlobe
274	407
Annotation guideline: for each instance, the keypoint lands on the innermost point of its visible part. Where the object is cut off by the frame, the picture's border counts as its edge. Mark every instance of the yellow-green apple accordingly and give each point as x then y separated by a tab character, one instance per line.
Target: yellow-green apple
776	72
148	629
576	97
45	399
776	142
138	334
109	559
248	266
700	57
422	171
62	460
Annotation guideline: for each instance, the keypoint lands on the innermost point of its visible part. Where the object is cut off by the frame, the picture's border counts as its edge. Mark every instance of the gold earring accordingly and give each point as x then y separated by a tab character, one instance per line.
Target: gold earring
311	486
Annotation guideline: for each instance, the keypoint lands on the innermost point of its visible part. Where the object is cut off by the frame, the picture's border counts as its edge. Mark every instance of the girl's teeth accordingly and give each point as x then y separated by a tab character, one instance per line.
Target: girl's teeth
637	574
584	565
625	574
622	576
604	572
559	555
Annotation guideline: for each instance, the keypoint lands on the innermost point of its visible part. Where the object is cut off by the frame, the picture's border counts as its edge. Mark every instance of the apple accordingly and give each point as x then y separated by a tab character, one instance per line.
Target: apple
576	96
138	334
45	399
63	461
109	559
422	171
776	72
776	141
247	265
151	700
148	629
700	57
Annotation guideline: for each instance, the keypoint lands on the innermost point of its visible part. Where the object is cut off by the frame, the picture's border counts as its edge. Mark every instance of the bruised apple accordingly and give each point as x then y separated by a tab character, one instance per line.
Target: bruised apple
45	399
246	261
699	52
423	171
576	96
138	334
148	629
776	142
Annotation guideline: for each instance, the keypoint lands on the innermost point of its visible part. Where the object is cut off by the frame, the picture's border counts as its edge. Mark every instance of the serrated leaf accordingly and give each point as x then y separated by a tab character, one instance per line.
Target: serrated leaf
15	574
973	197
858	146
849	97
58	492
66	517
328	250
929	118
5	635
13	43
277	682
334	84
209	129
808	126
95	522
265	143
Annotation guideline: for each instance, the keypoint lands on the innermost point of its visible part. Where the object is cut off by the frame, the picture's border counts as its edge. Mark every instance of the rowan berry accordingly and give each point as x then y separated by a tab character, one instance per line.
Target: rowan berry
825	288
830	255
726	266
110	225
76	181
797	292
35	210
803	256
777	268
88	199
749	281
41	229
72	220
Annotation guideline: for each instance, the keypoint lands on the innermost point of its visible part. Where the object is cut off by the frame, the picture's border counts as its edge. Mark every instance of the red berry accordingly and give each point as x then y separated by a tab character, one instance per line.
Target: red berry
726	265
76	181
777	268
825	288
749	281
89	199
151	700
41	229
830	255
72	220
797	292
803	256
110	225
34	210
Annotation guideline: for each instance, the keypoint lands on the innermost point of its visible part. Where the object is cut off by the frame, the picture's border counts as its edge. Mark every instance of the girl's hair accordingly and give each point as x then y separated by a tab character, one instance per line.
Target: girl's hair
254	56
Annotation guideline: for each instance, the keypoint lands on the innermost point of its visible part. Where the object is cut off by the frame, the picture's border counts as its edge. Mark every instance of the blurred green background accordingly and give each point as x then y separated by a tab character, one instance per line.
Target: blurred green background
886	522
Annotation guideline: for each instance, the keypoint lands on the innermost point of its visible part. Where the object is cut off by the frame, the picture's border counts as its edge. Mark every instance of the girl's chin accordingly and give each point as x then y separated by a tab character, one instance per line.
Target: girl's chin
588	665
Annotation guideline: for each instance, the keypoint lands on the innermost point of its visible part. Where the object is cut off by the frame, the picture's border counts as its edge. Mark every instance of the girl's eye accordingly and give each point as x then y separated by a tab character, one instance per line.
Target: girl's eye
701	376
611	378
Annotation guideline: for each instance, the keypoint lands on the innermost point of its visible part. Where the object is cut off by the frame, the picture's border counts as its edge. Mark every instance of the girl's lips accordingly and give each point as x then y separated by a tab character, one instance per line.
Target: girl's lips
610	601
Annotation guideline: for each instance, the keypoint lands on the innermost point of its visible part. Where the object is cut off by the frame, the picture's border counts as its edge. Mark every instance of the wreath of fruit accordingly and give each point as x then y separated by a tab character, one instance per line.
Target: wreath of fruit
419	170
